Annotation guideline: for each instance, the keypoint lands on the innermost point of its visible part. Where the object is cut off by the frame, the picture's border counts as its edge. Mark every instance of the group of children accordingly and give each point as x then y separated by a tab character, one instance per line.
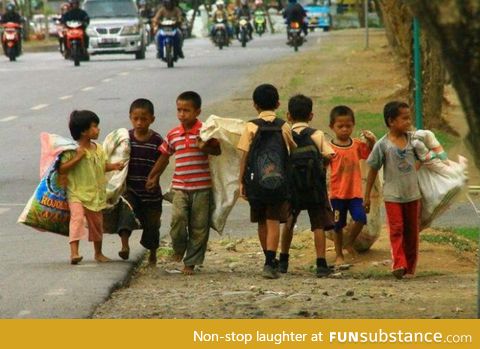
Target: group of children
286	177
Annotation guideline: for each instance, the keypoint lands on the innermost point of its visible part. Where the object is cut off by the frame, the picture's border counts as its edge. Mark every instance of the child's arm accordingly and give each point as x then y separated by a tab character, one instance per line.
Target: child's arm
370	138
372	175
68	165
116	166
156	172
211	147
243	163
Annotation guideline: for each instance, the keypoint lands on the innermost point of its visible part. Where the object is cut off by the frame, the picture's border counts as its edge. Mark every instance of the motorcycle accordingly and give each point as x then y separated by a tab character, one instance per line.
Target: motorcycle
259	22
220	35
11	40
295	37
74	42
243	30
168	31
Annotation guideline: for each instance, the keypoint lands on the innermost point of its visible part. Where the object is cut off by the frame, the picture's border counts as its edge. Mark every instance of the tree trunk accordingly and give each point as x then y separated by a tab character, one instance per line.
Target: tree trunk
361	12
379	12
455	26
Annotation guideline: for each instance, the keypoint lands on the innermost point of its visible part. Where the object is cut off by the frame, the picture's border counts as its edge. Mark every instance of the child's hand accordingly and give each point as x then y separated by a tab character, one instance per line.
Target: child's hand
151	184
242	191
366	205
369	136
118	166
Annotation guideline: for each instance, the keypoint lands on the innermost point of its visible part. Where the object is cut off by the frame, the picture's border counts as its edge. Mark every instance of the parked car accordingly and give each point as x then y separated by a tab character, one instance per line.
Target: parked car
115	27
318	14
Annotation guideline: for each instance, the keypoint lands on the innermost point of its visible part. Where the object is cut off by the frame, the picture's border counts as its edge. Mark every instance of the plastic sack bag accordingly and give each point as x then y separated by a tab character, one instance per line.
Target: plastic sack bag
371	231
440	179
117	149
47	209
224	168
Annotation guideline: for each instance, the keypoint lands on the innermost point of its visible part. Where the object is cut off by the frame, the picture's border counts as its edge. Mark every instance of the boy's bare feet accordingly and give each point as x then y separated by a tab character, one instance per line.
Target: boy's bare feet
351	251
124	253
75	259
102	259
152	258
176	258
339	260
188	269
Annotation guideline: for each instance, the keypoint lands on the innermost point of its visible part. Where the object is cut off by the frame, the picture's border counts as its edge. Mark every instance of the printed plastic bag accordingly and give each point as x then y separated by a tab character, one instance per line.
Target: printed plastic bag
47	209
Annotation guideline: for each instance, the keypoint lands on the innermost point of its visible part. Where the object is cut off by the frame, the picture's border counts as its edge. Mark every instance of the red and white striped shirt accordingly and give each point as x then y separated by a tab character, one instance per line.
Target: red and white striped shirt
191	165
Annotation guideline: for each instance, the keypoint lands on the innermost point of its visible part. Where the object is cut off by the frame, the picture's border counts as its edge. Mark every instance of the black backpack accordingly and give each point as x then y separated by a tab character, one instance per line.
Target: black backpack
309	184
266	177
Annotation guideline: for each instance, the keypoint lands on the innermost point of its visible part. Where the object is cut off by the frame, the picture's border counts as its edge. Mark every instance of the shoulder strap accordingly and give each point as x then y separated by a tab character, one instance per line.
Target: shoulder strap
308	131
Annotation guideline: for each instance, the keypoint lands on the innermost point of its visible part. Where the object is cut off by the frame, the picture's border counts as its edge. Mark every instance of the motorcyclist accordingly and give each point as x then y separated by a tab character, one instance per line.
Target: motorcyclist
259	9
75	13
221	14
64	8
11	16
168	11
244	11
296	13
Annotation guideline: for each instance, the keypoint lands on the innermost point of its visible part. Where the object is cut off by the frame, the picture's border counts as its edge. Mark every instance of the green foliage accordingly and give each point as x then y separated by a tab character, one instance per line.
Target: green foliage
448	238
446	140
370	121
472	234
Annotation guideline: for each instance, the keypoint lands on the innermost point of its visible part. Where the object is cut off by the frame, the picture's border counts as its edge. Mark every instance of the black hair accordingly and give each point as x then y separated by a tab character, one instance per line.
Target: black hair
300	107
80	121
191	96
142	103
392	110
341	110
266	97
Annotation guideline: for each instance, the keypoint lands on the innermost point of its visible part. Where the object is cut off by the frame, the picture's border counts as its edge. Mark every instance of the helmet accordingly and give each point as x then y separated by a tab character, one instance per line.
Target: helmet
64	7
10	7
74	3
220	3
244	2
258	2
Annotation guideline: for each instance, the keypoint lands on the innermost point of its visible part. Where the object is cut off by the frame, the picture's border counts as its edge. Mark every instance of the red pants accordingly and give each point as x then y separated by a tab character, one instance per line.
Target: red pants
404	224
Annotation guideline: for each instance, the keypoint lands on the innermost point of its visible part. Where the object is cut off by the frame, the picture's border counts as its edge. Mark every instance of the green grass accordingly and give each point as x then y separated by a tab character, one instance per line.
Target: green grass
370	121
472	234
460	243
446	140
348	100
165	252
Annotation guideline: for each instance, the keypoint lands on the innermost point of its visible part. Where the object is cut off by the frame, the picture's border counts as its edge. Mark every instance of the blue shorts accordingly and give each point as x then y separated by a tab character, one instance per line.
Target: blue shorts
342	206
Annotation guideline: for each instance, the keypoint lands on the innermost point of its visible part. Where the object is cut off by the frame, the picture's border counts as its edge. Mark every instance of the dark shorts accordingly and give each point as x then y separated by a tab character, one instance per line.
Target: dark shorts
320	217
277	212
342	206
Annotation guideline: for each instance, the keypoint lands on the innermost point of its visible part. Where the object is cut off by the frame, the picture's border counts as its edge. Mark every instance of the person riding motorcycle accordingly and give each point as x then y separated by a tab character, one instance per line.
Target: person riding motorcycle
168	11
221	14
259	10
64	8
12	16
244	11
75	13
296	13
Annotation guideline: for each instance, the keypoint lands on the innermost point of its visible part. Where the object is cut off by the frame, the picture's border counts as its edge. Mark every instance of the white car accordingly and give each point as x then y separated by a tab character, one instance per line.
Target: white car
115	27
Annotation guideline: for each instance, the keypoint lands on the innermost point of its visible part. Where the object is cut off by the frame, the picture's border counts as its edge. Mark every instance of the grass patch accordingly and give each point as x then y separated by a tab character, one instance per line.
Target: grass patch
446	139
447	238
370	121
165	252
472	234
346	100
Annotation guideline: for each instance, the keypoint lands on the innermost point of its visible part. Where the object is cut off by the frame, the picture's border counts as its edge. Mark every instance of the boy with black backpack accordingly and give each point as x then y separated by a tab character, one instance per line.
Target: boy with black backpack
308	184
264	177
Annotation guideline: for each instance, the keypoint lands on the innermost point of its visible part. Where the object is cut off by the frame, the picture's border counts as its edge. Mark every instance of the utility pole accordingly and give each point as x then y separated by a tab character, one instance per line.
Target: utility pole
365	7
417	74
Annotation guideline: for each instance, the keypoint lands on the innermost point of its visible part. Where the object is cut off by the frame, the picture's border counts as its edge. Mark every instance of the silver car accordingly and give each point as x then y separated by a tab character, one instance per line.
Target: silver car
115	27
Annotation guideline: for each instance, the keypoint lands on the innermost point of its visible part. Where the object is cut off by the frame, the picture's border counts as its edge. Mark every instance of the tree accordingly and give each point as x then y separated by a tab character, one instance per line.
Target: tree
454	25
398	20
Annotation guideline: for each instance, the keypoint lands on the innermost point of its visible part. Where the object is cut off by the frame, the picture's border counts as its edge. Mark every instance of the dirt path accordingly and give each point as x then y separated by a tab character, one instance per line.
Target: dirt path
230	285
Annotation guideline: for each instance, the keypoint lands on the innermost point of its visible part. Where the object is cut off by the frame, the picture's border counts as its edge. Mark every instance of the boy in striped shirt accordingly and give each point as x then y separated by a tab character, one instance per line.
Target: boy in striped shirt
191	183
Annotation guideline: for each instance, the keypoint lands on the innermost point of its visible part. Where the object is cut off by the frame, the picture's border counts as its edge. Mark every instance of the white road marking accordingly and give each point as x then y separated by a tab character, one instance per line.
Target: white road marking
124	73
65	97
24	313
9	118
88	88
107	80
3	210
57	292
38	107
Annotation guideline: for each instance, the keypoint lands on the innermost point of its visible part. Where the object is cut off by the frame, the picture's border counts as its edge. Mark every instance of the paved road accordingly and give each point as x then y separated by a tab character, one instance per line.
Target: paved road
38	93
